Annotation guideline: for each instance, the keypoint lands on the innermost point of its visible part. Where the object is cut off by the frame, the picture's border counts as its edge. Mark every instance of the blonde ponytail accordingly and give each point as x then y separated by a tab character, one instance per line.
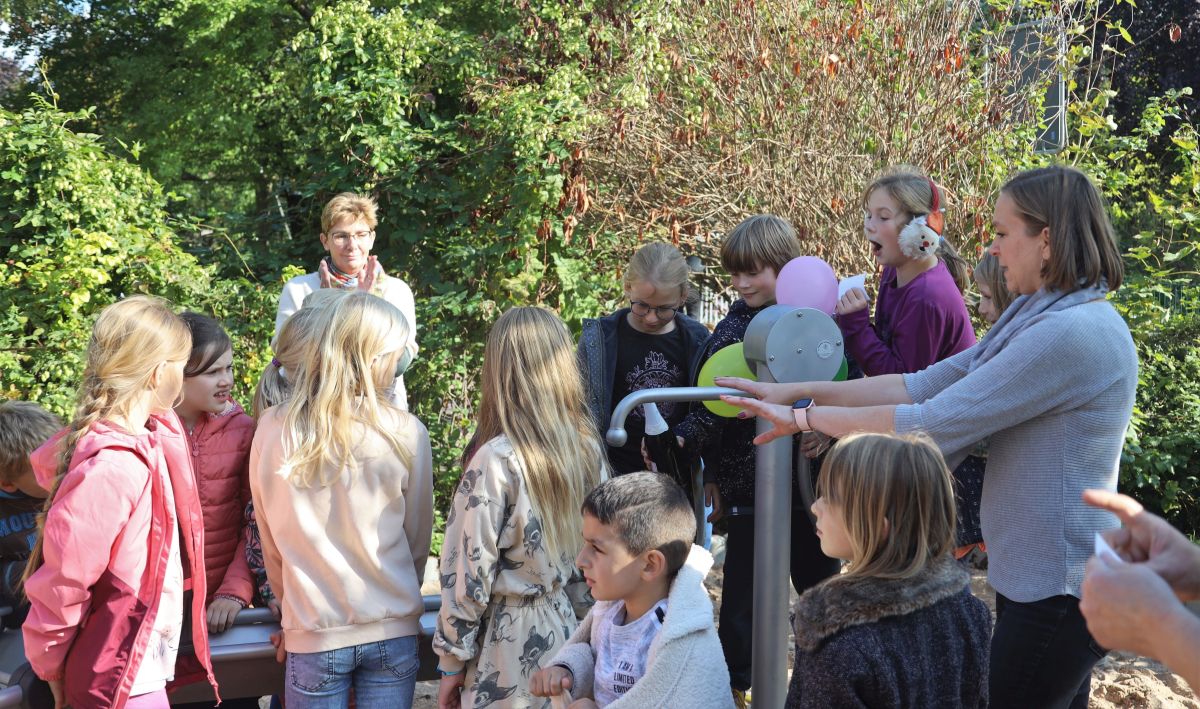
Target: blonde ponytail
129	340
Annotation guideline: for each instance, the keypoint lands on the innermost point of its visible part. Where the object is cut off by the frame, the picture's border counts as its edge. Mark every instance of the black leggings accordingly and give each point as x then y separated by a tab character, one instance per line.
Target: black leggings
1042	655
808	568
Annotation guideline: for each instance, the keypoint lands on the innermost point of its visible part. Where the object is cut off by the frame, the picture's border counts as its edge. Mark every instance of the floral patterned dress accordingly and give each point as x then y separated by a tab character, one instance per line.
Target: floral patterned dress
505	605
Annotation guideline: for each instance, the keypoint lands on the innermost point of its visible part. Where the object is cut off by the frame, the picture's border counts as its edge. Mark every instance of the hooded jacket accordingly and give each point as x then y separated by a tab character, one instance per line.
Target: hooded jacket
220	452
106	544
684	667
597	356
869	642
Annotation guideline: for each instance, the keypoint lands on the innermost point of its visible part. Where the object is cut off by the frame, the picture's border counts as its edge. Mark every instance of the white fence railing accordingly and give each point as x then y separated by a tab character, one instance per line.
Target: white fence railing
711	306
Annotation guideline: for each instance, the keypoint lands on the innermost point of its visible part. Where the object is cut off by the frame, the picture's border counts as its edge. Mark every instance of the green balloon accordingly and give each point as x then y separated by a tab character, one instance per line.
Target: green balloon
729	361
842	372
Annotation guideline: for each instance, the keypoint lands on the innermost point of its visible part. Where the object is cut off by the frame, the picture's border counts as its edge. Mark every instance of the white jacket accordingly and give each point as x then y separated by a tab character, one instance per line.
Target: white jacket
685	667
390	288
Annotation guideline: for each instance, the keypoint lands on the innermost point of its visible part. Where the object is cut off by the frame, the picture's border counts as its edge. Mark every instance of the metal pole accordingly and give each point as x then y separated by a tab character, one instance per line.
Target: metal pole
772	561
617	436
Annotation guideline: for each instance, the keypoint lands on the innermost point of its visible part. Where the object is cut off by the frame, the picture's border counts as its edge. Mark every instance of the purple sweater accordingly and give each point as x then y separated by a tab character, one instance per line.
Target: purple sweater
916	325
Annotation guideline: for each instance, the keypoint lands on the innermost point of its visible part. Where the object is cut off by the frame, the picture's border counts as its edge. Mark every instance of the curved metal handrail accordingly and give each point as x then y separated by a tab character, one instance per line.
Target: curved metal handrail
617	435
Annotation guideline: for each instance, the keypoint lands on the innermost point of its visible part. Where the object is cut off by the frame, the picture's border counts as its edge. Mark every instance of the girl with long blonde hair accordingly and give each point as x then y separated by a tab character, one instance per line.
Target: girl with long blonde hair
274	388
900	627
122	505
342	484
513	527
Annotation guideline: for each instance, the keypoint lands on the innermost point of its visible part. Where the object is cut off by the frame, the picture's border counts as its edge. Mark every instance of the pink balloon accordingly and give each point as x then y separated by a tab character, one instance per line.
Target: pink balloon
807	282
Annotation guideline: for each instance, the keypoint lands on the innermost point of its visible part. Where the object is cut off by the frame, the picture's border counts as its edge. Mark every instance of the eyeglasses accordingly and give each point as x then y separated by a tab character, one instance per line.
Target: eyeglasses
663	312
342	236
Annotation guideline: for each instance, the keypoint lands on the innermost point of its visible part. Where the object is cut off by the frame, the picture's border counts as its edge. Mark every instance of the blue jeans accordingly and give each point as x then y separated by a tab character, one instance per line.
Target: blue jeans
383	674
1042	655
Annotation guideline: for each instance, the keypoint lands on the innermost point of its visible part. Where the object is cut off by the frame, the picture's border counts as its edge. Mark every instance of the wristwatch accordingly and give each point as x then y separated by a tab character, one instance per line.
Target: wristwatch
800	412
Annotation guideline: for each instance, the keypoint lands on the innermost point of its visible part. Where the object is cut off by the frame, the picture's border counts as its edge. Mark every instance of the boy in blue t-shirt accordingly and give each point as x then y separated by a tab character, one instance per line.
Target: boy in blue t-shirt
23	427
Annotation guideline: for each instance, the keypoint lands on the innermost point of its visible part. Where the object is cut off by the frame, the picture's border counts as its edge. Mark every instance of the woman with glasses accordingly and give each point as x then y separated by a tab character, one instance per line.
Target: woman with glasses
347	234
649	344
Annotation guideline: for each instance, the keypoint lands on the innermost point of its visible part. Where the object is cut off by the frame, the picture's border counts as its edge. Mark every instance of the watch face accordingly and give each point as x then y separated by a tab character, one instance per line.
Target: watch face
802	404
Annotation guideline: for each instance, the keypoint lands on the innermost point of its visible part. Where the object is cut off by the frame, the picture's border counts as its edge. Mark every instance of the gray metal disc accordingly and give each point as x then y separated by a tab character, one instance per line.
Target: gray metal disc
796	344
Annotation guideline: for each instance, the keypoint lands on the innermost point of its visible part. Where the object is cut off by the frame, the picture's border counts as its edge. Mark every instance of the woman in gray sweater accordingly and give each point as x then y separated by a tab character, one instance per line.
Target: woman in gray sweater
1052	385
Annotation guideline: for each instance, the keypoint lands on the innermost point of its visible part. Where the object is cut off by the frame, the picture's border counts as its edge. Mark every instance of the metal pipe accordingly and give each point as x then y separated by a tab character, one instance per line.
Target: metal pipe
772	552
617	436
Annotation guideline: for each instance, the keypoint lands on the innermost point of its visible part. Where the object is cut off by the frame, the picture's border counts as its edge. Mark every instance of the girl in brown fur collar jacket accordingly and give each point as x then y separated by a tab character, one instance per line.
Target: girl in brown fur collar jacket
900	628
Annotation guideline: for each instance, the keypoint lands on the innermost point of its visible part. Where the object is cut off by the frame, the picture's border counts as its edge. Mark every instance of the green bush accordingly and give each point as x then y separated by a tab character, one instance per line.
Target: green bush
1154	200
1160	465
80	229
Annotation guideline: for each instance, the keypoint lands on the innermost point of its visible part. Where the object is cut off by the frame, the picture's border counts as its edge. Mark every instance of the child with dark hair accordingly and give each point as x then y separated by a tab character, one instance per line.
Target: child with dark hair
23	427
219	434
649	641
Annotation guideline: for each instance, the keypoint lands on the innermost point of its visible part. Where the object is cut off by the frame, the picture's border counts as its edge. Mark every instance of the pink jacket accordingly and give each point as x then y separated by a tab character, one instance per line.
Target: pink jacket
220	448
106	547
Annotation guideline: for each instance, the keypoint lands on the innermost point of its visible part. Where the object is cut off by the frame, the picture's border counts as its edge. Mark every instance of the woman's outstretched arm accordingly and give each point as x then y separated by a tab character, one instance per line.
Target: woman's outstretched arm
869	391
836	421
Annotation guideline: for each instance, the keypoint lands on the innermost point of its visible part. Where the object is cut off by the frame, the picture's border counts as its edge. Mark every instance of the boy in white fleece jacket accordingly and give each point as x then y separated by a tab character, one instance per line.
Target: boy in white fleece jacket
649	641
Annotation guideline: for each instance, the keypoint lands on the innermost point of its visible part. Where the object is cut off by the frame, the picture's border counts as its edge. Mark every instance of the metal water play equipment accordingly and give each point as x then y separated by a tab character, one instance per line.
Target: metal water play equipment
783	343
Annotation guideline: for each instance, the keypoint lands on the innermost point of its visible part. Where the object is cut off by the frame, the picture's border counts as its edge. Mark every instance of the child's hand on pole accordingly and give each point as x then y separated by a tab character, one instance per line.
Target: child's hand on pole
221	614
